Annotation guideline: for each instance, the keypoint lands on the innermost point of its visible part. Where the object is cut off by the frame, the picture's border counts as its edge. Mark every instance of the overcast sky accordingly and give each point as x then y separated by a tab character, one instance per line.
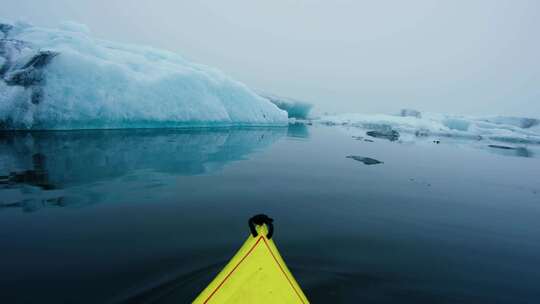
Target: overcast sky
469	56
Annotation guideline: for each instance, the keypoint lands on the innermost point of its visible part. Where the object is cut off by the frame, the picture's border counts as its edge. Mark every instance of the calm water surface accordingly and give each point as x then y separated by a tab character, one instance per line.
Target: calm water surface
151	216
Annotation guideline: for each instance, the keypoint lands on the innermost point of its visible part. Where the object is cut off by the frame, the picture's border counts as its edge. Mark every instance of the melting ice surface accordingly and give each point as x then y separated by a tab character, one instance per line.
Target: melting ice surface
66	79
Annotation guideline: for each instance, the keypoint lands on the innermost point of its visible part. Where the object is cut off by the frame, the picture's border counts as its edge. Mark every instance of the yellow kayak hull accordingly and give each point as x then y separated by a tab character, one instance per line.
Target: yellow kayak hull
256	274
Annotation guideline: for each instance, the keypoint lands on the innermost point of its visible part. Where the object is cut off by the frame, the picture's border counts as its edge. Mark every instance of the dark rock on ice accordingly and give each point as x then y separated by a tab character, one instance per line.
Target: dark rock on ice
366	160
40	60
24	78
30	74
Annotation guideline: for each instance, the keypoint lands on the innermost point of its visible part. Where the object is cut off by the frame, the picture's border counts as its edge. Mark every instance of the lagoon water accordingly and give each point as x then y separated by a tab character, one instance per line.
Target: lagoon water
151	216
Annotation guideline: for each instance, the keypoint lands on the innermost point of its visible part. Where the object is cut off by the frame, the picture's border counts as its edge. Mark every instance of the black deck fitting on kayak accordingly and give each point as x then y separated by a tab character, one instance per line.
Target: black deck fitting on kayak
258	220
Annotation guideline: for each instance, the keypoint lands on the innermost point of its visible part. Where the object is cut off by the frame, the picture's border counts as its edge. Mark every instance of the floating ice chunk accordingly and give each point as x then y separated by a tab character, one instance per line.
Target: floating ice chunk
391	135
366	160
65	79
502	129
456	124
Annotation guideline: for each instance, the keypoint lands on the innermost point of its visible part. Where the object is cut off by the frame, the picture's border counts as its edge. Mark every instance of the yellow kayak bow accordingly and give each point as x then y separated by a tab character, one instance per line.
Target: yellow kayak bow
256	274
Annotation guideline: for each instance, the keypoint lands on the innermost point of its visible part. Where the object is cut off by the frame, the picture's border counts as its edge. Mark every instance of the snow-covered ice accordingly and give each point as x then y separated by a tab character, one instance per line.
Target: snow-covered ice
494	128
66	79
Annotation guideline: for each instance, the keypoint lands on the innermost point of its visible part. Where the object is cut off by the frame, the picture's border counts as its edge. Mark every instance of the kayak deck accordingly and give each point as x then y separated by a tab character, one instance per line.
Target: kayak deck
256	274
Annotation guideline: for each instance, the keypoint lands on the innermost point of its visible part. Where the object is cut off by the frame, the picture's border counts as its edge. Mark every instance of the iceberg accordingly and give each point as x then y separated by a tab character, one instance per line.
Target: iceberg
294	108
65	79
417	124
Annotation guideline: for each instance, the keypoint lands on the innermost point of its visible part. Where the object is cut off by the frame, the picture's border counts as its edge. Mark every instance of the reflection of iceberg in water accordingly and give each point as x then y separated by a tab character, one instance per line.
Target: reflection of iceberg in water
297	130
36	176
60	160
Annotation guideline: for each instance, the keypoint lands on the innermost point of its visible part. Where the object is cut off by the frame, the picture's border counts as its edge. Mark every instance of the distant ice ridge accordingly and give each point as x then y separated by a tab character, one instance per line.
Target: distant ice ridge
294	108
496	128
65	79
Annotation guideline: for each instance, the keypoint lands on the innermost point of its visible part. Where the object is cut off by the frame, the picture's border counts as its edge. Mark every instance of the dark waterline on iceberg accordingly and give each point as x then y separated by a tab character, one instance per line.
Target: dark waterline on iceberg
131	216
